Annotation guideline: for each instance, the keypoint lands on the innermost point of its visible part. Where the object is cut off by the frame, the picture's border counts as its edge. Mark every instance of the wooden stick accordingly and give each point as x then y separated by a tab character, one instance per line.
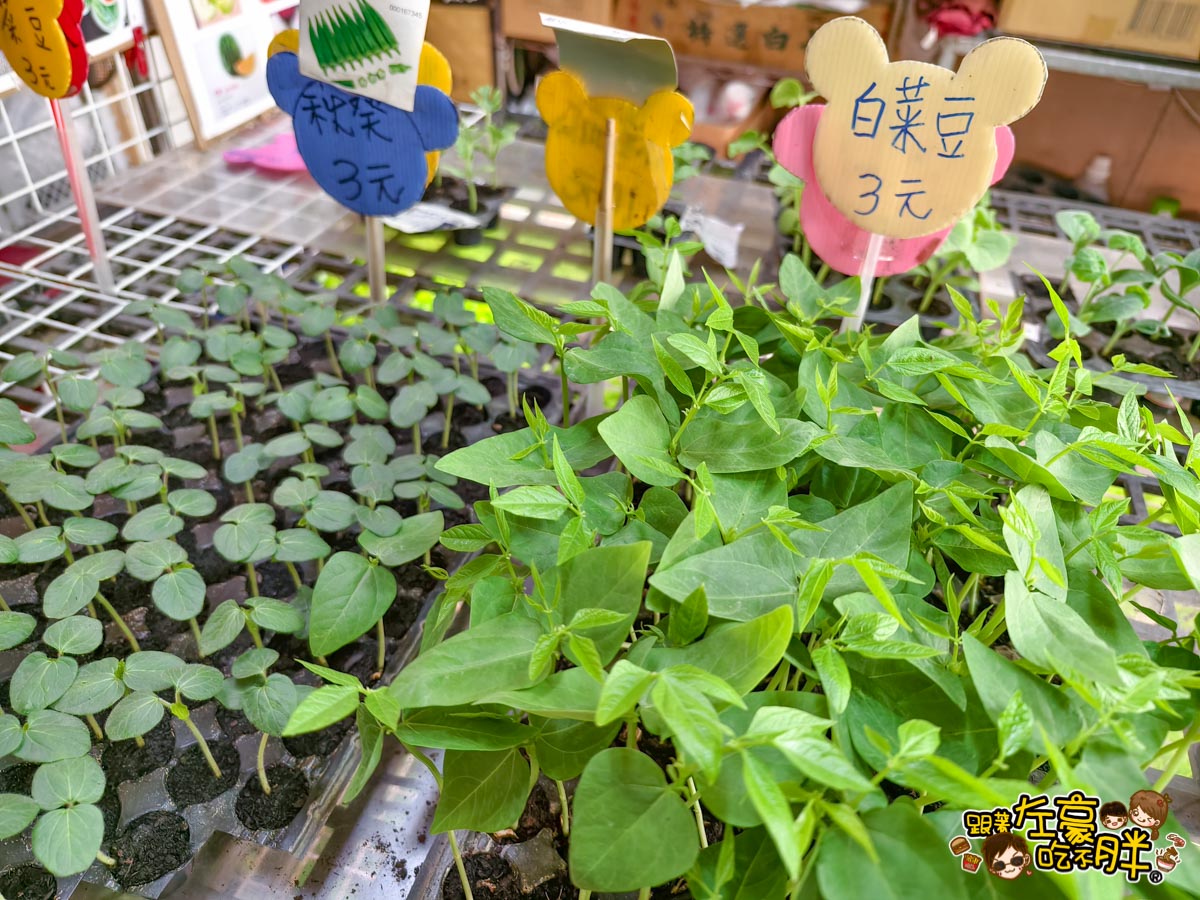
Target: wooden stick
602	261
867	278
85	201
376	260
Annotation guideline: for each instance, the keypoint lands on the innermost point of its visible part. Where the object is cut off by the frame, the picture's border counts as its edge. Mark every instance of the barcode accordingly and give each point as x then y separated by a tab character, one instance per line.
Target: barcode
1170	19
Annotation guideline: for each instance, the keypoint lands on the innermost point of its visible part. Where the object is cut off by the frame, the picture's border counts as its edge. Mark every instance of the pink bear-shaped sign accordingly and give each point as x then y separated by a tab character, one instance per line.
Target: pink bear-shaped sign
902	149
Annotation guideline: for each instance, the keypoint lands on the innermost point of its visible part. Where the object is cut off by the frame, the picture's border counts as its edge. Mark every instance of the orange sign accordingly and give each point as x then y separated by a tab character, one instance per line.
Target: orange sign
44	44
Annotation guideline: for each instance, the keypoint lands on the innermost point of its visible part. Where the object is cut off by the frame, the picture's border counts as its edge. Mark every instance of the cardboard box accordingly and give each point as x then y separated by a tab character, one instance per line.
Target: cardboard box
1161	27
1073	122
522	19
773	36
1168	167
463	32
718	134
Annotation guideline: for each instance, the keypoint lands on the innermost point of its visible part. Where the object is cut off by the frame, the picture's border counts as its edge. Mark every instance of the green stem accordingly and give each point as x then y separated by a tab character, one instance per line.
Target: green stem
565	815
449	415
416	438
1179	757
139	742
295	575
255	634
118	621
29	525
822	273
62	423
4	604
1118	333
565	389
195	626
934	283
880	283
249	492
699	812
214	437
585	894
323	661
644	893
458	860
106	859
381	651
262	768
45	520
203	744
251	580
237	429
332	354
95	726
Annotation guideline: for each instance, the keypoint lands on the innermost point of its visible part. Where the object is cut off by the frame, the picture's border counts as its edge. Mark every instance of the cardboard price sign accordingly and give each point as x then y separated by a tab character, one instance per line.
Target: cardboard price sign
904	149
43	43
367	155
366	47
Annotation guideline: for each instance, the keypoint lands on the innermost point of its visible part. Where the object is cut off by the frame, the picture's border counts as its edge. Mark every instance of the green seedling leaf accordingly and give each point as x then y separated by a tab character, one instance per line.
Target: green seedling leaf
179	595
103	565
147	560
151	670
331	511
95	689
198	683
689	620
275	615
630	829
16	814
88	532
192	502
222	627
416	535
349	597
152	523
50	736
15	629
74	636
133	716
269	705
638	434
254	662
533	501
481	790
39	681
322	708
40	545
66	841
68	782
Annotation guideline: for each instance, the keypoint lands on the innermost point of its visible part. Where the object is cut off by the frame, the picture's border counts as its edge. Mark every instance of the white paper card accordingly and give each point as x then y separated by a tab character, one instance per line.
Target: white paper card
425	217
367	47
719	237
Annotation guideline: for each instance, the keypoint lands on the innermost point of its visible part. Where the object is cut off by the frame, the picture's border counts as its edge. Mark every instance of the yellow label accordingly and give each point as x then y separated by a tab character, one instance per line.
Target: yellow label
904	149
42	41
643	169
434	70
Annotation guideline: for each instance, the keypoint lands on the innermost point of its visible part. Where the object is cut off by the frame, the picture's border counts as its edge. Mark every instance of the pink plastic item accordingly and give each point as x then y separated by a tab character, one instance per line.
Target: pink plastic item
834	238
280	155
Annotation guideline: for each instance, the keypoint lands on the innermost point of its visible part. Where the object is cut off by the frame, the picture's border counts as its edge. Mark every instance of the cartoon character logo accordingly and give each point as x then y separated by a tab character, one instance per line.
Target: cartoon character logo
1148	809
368	156
643	169
1113	815
902	149
43	42
1006	855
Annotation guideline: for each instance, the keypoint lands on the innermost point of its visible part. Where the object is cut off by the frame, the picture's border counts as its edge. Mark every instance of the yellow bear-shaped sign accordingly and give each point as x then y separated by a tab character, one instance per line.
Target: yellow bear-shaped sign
643	169
904	149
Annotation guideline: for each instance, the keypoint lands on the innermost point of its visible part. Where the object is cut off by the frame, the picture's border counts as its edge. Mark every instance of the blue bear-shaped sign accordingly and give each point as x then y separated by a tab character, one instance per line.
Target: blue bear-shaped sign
368	156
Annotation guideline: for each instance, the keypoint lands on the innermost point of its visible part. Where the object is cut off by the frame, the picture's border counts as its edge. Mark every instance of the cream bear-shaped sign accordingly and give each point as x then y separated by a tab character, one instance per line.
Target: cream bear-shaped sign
905	148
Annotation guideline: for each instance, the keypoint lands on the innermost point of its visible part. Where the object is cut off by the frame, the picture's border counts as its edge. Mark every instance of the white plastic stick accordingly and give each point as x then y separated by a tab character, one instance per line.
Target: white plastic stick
867	279
602	261
85	201
376	260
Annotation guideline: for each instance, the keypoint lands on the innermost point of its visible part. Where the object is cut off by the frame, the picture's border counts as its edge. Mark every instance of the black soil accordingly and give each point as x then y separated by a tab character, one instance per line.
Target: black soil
125	761
28	883
110	808
191	781
17	779
491	877
319	743
536	816
289	792
151	846
233	723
